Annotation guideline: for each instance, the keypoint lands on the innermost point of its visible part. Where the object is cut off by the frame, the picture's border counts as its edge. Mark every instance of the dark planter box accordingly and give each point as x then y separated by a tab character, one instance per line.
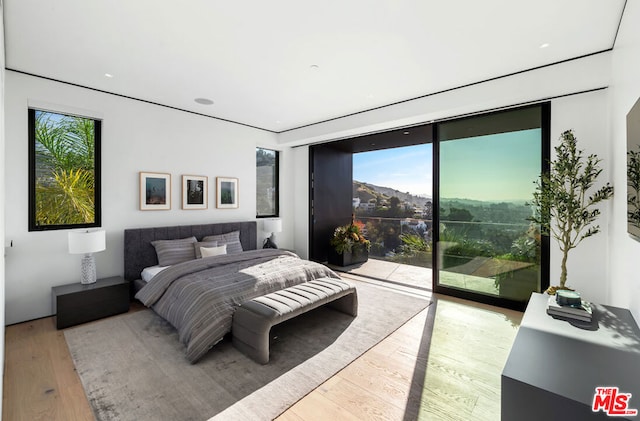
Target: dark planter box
451	260
519	284
348	258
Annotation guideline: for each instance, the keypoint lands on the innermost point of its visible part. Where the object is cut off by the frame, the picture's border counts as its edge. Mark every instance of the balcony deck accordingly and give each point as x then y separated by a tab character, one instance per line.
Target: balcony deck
416	276
419	277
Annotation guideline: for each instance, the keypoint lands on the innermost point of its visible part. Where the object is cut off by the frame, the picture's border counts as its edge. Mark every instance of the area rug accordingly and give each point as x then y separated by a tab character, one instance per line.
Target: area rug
133	367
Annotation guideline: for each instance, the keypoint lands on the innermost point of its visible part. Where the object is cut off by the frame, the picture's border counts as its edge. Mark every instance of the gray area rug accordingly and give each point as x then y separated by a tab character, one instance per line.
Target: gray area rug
132	366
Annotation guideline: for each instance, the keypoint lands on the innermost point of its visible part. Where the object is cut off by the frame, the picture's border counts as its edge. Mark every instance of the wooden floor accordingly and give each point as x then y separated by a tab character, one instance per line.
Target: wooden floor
444	364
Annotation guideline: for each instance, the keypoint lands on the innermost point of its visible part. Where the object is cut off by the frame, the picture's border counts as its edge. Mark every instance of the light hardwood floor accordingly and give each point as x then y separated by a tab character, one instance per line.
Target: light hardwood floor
443	364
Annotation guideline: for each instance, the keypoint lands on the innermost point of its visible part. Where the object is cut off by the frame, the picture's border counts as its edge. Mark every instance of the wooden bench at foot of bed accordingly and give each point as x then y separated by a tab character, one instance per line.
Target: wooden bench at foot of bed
252	321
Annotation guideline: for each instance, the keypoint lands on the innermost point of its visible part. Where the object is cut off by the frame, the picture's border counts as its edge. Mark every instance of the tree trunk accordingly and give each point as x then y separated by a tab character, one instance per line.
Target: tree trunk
563	267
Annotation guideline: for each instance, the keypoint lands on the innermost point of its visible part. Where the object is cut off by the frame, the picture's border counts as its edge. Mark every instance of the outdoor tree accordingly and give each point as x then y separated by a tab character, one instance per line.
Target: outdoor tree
456	214
394	206
65	170
563	205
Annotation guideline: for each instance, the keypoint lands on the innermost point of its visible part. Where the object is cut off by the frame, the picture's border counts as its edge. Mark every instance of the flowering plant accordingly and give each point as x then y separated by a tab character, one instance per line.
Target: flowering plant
347	236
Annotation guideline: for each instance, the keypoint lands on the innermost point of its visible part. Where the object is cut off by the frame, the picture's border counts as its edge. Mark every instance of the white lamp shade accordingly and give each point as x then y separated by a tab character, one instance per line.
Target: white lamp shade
272	225
84	242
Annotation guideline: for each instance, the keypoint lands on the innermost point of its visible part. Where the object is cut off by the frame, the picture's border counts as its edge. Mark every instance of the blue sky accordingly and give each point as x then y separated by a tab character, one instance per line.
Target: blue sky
500	167
52	117
406	169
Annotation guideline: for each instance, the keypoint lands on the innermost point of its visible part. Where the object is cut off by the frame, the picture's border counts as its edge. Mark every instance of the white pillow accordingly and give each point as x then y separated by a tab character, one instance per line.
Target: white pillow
213	251
198	246
151	271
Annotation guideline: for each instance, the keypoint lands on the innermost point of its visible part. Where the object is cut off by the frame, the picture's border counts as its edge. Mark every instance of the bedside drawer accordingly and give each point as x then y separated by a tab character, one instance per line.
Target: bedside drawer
77	303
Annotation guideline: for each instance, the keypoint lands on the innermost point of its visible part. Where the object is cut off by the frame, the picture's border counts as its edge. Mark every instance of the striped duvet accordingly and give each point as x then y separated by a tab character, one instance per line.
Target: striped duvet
199	297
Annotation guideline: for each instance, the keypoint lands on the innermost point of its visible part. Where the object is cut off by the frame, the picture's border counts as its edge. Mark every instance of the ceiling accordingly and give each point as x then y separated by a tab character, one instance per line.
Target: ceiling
284	64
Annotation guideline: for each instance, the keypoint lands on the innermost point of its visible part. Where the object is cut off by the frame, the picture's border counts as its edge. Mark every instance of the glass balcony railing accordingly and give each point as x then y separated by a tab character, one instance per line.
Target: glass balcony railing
490	258
399	240
485	248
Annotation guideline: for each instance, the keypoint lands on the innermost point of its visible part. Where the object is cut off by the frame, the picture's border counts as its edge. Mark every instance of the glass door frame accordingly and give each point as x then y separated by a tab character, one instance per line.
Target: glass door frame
545	244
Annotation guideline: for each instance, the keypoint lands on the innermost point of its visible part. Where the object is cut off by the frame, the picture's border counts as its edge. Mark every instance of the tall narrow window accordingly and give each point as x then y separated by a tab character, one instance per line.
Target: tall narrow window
64	171
266	183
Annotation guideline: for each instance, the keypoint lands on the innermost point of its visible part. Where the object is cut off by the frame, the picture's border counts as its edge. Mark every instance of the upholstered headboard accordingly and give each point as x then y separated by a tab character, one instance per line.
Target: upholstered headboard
139	253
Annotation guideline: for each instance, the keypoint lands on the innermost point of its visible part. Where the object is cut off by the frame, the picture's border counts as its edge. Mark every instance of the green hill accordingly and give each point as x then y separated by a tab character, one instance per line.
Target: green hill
366	191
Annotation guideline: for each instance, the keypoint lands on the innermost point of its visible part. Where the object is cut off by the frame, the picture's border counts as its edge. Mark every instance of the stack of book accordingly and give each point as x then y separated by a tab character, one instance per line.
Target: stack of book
581	312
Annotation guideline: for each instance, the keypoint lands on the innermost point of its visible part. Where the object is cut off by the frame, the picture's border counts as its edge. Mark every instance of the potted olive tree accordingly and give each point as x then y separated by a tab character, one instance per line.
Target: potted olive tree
564	205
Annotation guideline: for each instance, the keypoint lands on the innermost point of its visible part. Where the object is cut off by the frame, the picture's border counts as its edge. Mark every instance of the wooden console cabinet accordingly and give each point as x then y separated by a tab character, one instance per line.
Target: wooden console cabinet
554	368
77	303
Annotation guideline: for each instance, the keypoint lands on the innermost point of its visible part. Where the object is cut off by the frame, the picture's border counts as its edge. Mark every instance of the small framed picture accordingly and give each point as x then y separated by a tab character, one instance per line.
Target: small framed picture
155	191
194	192
226	192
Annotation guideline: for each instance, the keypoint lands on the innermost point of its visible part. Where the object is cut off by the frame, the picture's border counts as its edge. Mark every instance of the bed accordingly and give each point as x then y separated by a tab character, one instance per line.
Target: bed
199	296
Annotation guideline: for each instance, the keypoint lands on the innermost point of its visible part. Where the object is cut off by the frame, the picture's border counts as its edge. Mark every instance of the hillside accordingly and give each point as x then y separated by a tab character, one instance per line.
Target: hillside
366	191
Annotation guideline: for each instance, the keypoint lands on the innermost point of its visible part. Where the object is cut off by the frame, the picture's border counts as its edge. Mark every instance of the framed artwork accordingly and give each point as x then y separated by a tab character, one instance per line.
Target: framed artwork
194	192
226	192
155	191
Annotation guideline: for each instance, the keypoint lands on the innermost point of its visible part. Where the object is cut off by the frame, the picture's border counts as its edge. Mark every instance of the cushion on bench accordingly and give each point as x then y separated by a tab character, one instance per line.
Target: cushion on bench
252	321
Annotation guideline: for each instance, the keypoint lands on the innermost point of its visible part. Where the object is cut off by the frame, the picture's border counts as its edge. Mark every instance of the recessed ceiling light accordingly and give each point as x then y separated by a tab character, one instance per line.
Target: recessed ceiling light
203	101
109	75
545	45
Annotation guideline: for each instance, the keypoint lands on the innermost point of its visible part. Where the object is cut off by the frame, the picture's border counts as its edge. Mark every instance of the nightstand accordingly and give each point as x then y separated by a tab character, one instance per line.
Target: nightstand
77	303
554	368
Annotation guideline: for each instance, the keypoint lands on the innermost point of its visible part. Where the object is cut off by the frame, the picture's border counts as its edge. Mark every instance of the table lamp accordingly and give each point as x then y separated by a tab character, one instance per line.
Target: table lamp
271	226
87	242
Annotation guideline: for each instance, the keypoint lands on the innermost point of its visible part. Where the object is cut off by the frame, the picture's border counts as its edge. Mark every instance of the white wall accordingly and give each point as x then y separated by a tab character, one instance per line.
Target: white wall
585	113
625	90
2	153
136	136
587	265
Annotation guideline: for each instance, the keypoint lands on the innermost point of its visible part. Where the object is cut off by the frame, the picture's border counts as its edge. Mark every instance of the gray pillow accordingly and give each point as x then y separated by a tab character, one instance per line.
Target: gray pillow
170	252
231	239
199	245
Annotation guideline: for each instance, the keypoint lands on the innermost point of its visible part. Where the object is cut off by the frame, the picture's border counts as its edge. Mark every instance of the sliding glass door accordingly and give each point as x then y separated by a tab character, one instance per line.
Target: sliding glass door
487	165
472	228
